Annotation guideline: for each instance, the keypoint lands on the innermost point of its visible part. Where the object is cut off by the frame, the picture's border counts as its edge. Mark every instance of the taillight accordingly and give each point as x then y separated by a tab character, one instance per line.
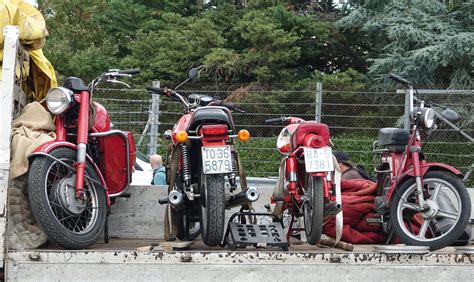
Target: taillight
214	129
313	141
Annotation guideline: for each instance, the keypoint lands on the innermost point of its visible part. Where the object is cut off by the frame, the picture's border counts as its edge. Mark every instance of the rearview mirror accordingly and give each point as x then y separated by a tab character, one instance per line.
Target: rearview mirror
167	134
450	115
193	74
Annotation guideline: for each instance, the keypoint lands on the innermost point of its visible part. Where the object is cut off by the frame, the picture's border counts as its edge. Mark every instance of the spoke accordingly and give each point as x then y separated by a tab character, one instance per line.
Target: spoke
436	190
423	229
75	225
447	214
430	228
64	218
410	206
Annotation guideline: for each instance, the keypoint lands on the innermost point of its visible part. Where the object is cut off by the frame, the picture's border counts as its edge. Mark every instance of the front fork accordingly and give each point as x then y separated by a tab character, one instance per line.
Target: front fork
415	156
292	177
82	133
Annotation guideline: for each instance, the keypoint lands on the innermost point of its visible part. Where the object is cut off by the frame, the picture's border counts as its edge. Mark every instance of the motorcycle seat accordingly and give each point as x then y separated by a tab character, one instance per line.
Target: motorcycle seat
210	115
318	128
396	139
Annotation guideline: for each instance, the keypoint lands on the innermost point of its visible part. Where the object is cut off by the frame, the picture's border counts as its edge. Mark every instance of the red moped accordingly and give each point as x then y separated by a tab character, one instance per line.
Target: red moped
423	203
201	161
72	180
307	178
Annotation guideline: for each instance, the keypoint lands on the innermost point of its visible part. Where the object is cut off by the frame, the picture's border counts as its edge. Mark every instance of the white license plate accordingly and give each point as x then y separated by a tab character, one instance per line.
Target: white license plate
318	160
216	160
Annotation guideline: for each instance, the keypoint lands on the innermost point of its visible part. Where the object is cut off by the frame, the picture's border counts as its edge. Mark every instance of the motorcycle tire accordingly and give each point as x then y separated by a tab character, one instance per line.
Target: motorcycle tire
401	222
47	200
313	210
212	217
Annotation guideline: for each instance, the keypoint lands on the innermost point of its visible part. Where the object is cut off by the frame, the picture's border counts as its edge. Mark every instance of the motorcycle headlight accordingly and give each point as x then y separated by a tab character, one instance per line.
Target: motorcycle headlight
428	118
58	100
284	141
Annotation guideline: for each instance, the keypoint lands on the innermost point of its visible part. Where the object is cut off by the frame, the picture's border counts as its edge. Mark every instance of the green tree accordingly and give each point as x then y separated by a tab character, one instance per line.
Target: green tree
419	39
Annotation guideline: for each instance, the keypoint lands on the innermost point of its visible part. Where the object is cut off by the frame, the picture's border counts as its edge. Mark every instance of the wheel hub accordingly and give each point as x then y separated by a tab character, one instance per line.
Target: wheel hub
66	192
430	209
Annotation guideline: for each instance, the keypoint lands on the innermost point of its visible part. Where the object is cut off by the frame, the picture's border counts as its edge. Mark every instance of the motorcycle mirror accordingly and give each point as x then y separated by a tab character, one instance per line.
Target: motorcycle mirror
193	74
167	134
450	115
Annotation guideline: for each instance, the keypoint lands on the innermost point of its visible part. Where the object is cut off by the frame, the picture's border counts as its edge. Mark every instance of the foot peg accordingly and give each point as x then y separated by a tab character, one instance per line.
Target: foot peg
374	221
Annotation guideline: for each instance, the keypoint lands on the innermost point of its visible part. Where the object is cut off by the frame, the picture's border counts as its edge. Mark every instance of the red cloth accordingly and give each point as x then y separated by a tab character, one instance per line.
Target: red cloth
358	196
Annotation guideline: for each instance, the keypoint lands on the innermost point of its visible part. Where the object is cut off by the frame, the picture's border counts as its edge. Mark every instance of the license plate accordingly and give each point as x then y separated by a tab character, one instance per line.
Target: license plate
318	160
216	160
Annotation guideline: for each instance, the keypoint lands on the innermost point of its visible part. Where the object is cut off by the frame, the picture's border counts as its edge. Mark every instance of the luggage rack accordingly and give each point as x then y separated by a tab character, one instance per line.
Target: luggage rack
241	234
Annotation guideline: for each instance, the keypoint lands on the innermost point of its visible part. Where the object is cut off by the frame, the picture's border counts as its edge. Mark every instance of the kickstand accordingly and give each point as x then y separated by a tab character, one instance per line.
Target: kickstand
106	229
390	237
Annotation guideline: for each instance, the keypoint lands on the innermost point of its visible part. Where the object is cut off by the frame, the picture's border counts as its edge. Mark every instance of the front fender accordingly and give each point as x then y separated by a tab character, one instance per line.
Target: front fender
432	166
49	146
424	169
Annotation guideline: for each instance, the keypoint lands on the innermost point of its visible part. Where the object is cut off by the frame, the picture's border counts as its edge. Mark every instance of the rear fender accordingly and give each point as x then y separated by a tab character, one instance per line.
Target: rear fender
424	169
49	146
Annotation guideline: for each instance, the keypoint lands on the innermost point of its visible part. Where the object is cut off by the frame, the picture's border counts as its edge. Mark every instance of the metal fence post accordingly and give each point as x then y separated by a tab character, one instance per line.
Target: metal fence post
154	118
406	115
319	99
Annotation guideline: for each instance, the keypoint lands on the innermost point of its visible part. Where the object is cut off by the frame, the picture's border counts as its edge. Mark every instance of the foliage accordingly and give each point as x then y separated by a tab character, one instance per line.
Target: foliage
419	39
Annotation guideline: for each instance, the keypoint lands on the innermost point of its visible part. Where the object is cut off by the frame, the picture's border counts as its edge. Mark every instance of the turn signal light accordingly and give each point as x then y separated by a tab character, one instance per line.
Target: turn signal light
243	135
181	136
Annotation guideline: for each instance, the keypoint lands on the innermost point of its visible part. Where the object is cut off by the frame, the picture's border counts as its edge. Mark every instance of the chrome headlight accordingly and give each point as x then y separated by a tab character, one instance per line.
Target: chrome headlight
58	100
284	142
428	118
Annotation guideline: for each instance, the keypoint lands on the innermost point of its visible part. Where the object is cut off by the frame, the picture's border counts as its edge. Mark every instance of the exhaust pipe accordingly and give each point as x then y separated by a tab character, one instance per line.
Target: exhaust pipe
333	208
175	197
244	197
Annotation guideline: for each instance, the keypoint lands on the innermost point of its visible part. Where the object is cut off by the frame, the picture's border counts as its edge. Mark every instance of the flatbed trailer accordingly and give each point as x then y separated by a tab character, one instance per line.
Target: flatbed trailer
137	251
120	260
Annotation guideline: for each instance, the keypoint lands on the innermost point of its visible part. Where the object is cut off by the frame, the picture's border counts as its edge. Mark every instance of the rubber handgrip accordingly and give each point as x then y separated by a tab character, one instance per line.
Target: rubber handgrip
130	71
155	90
274	121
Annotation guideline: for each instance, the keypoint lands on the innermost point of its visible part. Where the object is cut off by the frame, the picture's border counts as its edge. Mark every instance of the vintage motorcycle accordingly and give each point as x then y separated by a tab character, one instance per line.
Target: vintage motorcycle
307	178
73	179
200	161
423	203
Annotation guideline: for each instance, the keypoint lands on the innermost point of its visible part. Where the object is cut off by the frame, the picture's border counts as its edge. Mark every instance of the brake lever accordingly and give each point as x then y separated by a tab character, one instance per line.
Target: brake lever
113	80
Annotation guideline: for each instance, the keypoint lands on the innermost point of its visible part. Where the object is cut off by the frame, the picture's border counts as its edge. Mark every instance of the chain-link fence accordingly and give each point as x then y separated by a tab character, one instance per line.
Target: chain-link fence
354	119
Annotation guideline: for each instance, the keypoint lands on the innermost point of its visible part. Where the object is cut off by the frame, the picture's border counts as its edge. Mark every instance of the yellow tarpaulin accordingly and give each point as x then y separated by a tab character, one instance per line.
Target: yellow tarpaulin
38	75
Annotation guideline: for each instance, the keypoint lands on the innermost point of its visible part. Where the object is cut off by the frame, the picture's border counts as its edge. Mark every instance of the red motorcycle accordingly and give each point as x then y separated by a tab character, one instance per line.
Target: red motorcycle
423	203
72	180
200	161
306	185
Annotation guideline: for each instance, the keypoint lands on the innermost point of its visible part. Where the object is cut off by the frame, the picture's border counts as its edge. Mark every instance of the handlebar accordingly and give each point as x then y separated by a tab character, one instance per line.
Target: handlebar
400	79
130	71
155	90
276	121
111	77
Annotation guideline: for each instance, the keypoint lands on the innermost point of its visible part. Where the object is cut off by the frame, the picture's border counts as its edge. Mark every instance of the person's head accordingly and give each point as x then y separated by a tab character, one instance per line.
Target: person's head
156	161
343	160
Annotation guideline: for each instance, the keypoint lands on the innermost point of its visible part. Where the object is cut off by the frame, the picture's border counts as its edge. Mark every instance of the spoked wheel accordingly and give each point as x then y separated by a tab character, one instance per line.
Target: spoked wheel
441	220
313	209
212	209
68	221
